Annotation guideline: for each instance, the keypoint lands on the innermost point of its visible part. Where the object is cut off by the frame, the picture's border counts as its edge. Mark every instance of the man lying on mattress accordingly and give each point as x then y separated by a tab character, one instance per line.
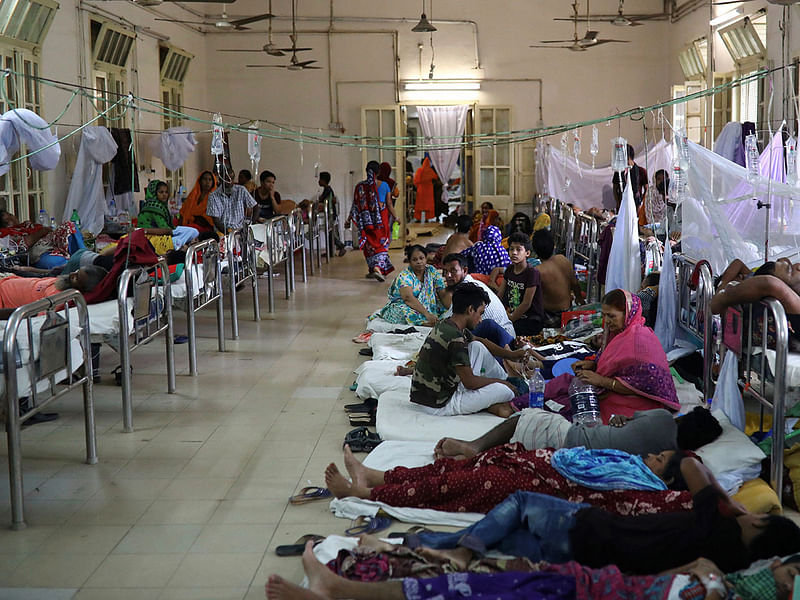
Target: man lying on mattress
648	431
456	373
779	280
16	291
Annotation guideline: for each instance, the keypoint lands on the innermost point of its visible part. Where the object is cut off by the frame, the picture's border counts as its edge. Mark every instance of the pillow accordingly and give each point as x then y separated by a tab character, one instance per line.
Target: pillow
758	497
730	451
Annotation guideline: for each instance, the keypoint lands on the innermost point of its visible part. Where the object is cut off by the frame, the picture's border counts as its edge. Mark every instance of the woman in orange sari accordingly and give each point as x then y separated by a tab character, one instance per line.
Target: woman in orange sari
423	180
488	216
193	210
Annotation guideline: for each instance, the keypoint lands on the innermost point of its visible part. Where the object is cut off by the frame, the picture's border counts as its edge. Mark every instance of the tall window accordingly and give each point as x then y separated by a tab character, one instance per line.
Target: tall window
174	64
111	49
23	27
495	159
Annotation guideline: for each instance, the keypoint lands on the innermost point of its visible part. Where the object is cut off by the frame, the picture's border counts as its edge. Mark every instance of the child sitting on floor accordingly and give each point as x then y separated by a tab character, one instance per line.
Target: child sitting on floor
521	290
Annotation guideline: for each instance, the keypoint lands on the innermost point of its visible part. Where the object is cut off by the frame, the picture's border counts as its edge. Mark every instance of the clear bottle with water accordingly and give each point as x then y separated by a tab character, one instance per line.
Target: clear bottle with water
52	222
751	157
44	218
124	220
536	390
112	210
584	403
619	154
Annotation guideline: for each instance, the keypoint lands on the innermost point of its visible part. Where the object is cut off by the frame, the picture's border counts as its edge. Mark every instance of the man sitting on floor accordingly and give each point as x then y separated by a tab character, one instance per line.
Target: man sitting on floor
559	283
647	432
455	373
455	270
16	291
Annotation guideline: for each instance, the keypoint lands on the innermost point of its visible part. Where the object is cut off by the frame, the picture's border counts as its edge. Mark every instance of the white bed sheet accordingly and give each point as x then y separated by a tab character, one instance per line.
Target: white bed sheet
398	418
104	320
383	326
374	377
401	454
178	288
394	346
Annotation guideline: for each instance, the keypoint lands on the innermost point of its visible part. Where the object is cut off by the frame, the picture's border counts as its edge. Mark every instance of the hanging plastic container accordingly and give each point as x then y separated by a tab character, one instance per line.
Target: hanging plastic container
619	154
254	148
751	157
791	161
217	144
682	146
677	183
594	148
584	403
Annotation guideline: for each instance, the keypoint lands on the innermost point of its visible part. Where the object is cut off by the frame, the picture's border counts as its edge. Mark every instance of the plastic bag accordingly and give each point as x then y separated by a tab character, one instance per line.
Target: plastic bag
727	396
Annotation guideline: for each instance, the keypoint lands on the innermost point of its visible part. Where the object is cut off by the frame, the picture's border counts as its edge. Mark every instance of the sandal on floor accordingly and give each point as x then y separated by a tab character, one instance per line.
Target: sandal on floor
365	352
363	338
299	546
354	387
362	439
360	419
370	404
309	494
368	525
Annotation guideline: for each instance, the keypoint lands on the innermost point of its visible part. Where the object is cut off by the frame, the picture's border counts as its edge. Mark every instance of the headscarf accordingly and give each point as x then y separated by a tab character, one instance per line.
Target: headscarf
634	356
154	214
542	222
384	174
366	210
488	254
193	210
478	229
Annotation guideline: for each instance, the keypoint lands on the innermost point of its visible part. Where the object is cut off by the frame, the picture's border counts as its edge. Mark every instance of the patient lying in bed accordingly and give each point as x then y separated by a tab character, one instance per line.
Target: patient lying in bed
16	291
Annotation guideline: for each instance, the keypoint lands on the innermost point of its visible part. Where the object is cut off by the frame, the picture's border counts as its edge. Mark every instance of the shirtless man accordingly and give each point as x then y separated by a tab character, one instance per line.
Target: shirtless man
559	283
459	241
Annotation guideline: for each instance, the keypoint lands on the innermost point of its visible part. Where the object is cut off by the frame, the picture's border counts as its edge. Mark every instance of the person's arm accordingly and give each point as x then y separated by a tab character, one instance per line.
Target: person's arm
502	352
32	238
476	382
157	231
496	272
607	383
698	476
407	294
219	225
574	284
523	307
445	297
737	270
501	291
753	290
5	313
584	365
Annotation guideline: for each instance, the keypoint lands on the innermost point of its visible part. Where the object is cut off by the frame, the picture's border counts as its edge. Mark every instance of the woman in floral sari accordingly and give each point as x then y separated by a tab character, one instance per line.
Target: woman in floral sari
370	214
416	296
631	371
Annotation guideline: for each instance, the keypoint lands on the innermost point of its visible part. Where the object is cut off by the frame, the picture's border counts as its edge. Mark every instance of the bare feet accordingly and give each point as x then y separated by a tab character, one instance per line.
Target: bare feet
321	580
356	470
460	557
403	371
501	410
374	543
278	588
453	448
340	487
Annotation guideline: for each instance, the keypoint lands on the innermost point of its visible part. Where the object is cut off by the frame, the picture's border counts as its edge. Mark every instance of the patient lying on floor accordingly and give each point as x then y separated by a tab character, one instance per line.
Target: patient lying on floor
456	372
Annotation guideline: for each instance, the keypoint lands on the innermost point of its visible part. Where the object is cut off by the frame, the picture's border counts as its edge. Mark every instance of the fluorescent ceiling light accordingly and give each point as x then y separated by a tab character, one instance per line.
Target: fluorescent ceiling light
446	86
726	17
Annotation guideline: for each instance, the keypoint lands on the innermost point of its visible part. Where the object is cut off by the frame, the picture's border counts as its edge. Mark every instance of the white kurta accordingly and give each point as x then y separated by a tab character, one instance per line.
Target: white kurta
86	188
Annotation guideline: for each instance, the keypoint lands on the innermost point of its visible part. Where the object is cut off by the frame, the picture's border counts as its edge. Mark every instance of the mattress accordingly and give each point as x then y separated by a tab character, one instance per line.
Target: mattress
374	377
178	288
104	322
383	326
392	346
398	418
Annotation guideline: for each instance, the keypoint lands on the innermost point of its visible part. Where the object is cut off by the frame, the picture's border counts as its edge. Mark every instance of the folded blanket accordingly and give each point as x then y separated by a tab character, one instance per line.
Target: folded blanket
605	469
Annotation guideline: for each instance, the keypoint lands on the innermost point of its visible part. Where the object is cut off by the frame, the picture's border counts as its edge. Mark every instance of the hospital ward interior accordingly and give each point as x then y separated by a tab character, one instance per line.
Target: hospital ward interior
413	300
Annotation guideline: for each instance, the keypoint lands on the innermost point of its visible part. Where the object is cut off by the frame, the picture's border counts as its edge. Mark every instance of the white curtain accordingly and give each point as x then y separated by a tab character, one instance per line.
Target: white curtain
624	262
592	187
443	125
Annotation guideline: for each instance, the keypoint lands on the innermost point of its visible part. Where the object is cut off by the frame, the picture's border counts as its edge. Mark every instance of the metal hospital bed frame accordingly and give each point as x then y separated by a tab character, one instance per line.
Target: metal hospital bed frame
152	315
297	233
279	244
586	250
56	338
741	335
210	290
241	259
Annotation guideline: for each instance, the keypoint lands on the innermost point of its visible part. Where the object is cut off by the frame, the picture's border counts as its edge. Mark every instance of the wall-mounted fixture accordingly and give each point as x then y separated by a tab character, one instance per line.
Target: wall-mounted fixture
726	17
442	85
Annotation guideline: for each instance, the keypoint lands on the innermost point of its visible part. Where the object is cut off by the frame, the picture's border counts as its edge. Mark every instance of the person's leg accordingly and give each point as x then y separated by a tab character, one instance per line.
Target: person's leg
494	397
48	261
453	448
538	428
75	241
483	363
492	331
526	524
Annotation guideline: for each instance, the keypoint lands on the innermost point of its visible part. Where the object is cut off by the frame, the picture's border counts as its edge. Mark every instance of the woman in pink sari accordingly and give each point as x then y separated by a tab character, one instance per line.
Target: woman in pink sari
631	370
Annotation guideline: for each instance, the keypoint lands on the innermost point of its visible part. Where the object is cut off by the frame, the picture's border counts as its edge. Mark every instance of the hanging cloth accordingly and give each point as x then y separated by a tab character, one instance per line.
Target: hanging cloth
173	146
86	188
123	163
624	262
20	125
667	310
443	126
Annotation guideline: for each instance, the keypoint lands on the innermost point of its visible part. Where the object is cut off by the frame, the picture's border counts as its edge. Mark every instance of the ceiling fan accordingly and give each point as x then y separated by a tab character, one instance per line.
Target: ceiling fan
224	22
270	48
619	20
294	63
576	44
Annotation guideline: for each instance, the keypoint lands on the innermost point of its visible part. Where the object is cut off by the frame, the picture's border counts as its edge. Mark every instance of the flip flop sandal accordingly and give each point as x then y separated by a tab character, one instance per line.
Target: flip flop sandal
363	338
368	405
378	276
356	435
180	339
299	546
365	352
368	525
362	440
309	494
367	419
354	387
416	529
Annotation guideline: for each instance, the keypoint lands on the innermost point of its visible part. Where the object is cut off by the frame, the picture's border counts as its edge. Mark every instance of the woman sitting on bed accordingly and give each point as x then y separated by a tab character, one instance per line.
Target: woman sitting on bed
156	220
417	295
628	486
631	370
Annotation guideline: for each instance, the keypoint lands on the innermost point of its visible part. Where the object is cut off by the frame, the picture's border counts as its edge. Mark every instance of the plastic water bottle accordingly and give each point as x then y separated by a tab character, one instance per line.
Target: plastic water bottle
619	154
75	218
583	400
44	218
124	220
536	390
52	222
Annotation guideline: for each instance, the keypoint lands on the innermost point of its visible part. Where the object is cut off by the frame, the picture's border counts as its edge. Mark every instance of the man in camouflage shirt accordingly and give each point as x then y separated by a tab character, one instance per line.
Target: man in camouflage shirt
455	373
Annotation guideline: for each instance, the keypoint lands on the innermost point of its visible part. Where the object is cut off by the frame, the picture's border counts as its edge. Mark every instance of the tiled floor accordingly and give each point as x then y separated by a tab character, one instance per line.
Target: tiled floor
193	503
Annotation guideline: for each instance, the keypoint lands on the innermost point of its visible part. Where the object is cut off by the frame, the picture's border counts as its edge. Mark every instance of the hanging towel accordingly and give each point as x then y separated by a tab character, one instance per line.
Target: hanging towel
86	188
173	146
605	469
123	164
